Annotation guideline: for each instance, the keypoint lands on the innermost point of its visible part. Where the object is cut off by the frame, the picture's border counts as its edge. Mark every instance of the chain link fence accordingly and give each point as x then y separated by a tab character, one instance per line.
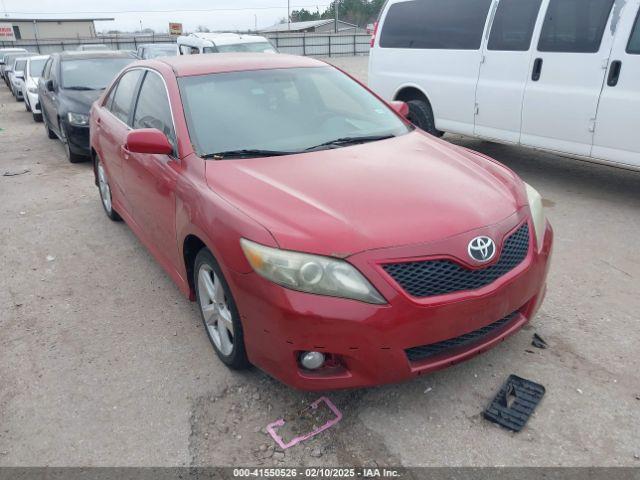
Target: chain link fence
315	44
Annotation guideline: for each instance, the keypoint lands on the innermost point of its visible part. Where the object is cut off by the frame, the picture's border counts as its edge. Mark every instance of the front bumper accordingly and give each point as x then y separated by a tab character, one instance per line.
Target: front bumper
78	138
371	341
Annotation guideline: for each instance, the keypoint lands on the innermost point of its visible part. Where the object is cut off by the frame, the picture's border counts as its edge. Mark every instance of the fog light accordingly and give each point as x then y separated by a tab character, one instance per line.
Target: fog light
312	360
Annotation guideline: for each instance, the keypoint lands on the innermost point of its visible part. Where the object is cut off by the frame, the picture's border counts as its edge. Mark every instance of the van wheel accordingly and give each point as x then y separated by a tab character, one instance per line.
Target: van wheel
421	115
219	312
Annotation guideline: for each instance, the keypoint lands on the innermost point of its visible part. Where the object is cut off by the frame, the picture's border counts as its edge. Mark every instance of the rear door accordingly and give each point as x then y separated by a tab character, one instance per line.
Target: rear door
616	137
505	69
567	76
435	46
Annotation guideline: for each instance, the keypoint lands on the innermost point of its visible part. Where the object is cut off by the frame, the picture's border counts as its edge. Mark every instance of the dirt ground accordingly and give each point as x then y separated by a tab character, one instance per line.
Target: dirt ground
103	362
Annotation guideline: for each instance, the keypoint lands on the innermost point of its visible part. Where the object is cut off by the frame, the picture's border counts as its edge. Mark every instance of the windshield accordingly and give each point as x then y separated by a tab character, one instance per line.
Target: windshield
260	47
91	73
283	110
3	55
36	67
165	51
19	66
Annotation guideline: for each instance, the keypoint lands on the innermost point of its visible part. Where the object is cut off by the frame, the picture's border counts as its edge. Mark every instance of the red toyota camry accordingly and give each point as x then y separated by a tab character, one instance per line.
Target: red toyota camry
326	240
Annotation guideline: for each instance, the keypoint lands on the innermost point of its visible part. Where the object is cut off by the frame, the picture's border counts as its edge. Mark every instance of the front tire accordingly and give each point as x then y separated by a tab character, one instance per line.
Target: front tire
37	117
72	157
421	115
105	191
50	134
219	312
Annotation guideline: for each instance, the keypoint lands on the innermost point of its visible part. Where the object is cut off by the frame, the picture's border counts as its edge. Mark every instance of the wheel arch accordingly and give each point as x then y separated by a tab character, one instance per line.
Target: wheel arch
191	245
410	92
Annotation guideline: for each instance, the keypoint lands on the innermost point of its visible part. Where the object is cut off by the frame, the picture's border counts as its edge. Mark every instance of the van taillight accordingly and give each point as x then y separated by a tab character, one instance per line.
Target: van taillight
375	31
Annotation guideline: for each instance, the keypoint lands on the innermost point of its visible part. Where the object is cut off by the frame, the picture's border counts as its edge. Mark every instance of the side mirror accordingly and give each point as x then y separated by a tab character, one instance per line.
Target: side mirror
401	108
149	140
50	86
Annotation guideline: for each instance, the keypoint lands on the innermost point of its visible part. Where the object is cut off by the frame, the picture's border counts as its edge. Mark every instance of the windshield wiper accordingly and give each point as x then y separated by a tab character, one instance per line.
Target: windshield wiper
78	87
344	141
247	153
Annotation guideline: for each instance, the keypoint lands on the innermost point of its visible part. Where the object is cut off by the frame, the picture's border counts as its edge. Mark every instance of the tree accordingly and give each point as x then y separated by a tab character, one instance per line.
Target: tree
304	15
203	29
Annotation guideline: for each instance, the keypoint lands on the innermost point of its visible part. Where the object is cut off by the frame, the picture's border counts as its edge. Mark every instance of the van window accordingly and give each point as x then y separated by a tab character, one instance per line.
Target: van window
513	25
574	25
435	24
634	41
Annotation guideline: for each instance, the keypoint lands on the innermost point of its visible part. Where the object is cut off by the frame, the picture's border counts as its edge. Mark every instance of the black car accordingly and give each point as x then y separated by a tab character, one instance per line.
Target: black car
70	83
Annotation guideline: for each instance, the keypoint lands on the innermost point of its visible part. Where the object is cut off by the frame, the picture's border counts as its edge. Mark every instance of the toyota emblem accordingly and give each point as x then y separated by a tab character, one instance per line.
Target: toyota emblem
482	249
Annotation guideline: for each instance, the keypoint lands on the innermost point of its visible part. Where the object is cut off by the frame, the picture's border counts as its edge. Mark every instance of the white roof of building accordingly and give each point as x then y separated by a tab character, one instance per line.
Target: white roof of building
297	26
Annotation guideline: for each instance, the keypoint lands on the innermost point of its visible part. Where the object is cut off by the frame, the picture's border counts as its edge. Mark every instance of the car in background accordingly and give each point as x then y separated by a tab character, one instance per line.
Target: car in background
6	51
197	43
70	83
154	50
94	47
10	59
32	74
557	75
325	239
16	77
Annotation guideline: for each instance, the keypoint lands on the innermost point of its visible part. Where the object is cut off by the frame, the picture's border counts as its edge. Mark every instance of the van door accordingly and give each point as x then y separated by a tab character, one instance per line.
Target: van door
505	69
567	75
616	137
433	46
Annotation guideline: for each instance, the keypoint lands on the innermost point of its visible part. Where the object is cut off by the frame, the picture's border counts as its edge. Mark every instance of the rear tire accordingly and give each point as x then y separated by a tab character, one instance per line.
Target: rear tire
219	312
421	115
105	190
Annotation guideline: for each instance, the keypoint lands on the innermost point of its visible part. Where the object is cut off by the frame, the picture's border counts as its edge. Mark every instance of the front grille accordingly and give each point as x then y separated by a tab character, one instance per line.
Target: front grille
439	277
423	352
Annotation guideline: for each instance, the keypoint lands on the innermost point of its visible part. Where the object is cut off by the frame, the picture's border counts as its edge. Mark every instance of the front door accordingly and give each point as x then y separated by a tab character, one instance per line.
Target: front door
616	137
150	180
505	69
567	76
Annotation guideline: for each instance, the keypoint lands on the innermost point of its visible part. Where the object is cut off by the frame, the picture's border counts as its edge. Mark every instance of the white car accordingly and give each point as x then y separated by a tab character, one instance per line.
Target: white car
6	51
32	74
197	43
16	77
93	47
558	75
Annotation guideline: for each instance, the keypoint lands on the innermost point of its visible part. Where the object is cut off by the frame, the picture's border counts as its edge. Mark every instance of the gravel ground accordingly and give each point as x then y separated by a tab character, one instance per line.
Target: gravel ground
103	362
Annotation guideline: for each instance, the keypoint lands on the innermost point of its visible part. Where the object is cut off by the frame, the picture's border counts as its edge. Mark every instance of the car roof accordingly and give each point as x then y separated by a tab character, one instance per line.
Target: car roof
151	45
202	64
221	38
38	57
78	54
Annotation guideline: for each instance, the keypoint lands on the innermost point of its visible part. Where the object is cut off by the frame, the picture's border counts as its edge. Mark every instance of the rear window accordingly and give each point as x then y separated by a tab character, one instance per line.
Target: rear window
574	26
634	41
513	25
435	24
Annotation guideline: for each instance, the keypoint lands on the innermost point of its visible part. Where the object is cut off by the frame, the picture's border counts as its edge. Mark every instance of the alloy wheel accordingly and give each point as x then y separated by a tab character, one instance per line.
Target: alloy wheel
215	310
105	190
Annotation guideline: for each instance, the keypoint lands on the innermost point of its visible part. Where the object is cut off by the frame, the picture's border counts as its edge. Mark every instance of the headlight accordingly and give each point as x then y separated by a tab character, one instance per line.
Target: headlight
537	213
78	119
310	273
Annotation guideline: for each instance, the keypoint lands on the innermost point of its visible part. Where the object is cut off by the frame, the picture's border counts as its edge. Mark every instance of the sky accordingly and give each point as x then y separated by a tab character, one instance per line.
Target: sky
156	14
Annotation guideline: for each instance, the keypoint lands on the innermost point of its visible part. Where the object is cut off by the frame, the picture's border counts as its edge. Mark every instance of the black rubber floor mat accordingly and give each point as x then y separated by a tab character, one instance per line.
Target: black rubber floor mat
514	403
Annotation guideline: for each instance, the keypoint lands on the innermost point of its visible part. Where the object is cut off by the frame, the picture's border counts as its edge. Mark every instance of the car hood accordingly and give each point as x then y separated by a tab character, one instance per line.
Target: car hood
78	101
406	190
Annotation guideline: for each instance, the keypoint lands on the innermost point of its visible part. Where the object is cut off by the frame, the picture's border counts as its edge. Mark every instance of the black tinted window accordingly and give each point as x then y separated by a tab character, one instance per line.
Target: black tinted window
634	41
152	110
574	25
513	25
123	98
436	24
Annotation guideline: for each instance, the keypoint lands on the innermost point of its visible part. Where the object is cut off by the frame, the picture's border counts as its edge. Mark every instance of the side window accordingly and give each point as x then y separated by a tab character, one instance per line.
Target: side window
435	24
123	97
187	50
634	42
108	103
152	109
47	68
513	25
574	26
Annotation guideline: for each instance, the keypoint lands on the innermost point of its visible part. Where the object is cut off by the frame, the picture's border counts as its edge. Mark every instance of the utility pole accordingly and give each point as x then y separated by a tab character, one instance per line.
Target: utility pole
289	14
255	15
4	7
336	4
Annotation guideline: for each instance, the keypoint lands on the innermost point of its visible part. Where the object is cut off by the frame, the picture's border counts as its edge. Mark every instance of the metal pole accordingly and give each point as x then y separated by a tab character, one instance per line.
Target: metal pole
336	4
289	14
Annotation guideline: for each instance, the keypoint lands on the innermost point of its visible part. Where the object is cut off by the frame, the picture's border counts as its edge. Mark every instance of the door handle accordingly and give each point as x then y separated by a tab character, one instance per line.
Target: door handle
537	70
614	73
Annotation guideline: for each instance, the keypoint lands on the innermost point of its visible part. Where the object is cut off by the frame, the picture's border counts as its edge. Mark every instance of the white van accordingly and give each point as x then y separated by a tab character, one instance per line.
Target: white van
222	42
558	75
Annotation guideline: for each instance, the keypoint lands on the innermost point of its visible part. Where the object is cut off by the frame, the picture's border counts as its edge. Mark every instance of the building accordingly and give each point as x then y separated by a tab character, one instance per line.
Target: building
314	26
58	28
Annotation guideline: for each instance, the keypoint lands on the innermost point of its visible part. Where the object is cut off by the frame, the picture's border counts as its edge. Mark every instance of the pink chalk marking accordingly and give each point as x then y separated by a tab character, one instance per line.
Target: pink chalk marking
272	427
